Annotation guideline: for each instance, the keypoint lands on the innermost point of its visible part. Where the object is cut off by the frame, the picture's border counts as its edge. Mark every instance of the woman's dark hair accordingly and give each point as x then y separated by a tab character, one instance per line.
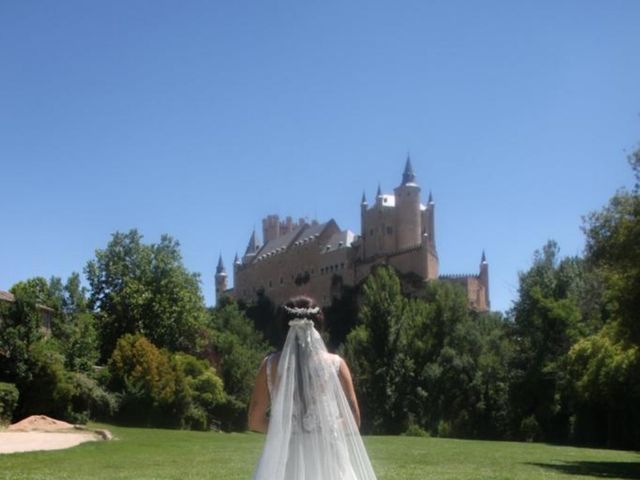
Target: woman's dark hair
301	301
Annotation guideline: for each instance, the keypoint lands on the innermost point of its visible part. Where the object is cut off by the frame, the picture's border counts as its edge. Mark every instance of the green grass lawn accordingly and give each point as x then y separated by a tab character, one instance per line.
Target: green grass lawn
138	454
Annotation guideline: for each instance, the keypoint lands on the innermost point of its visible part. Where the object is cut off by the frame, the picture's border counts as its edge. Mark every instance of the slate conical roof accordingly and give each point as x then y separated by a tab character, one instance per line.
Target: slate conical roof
253	244
220	268
408	176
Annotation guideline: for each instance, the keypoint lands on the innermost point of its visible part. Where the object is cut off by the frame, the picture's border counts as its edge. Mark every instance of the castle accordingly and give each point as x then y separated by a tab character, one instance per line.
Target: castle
317	259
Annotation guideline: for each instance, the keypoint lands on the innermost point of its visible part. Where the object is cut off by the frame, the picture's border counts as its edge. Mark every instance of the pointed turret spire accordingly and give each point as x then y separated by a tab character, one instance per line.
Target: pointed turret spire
364	199
430	197
484	281
236	259
220	267
253	243
408	176
379	193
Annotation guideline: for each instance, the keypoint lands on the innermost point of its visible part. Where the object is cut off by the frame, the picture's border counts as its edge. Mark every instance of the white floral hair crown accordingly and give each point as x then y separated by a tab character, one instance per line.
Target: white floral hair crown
302	312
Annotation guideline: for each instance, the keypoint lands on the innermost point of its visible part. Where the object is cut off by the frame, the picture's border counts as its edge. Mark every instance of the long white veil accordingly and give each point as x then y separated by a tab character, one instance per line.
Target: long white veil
312	434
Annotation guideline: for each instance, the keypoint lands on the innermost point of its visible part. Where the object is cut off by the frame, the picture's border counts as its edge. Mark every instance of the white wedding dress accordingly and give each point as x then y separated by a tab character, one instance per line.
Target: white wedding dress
312	434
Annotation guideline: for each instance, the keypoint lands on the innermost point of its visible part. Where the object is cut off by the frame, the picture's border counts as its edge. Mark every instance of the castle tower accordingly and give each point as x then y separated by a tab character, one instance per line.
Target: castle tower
221	280
363	220
484	278
430	223
408	228
270	228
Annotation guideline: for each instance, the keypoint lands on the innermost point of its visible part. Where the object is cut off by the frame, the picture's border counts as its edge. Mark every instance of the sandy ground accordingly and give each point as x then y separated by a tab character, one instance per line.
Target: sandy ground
11	442
39	432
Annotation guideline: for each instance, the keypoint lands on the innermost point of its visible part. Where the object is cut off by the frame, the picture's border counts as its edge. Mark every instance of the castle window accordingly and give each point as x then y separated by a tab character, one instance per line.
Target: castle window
342	265
389	230
270	284
371	232
281	280
313	270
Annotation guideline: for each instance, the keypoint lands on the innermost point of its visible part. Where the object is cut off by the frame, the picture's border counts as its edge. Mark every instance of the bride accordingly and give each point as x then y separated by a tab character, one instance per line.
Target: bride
312	431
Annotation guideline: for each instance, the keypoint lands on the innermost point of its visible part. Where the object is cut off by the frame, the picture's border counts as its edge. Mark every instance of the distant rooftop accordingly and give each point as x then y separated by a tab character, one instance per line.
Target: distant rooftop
7	296
339	240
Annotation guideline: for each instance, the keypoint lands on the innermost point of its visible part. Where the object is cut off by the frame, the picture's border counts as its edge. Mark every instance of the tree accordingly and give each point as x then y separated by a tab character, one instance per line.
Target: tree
52	369
376	352
143	375
237	348
460	383
428	363
341	316
613	248
20	330
263	315
75	328
547	320
492	412
145	288
161	388
605	367
205	391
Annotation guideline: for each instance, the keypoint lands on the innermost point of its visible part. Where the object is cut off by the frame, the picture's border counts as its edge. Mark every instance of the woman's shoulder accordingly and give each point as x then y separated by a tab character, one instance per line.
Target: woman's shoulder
272	355
334	359
270	359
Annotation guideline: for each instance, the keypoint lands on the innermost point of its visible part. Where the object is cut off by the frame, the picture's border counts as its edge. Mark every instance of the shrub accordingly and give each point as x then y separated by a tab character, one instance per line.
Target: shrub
143	375
8	401
444	429
416	431
159	388
203	393
530	429
48	390
90	399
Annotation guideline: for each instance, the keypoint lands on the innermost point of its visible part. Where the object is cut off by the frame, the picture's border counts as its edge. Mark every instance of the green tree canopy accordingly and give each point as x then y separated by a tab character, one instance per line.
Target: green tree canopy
237	348
605	367
613	247
145	288
376	351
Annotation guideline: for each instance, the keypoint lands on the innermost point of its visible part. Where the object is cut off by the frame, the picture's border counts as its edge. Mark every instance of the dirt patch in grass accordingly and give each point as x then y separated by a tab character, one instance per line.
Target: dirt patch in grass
39	432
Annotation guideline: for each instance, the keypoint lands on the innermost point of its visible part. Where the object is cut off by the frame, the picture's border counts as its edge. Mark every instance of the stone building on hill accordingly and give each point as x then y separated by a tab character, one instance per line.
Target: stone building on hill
317	259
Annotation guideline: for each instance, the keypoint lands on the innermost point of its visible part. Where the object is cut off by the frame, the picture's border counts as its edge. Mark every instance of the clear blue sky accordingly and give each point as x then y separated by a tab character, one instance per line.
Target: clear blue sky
199	118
